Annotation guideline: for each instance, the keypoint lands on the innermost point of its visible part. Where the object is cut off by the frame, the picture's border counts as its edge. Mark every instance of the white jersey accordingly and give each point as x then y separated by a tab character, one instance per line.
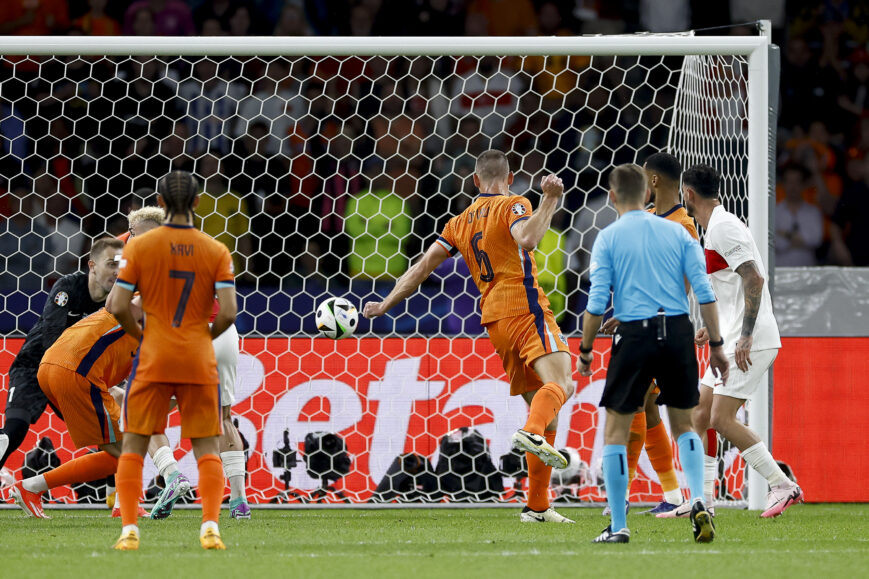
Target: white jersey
728	245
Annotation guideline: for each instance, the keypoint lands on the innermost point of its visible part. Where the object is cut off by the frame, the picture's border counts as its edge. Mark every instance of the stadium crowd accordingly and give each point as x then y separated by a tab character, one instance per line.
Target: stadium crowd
305	163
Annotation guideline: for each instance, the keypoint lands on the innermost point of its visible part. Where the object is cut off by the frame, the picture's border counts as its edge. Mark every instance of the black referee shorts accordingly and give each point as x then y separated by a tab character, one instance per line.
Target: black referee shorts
25	400
638	356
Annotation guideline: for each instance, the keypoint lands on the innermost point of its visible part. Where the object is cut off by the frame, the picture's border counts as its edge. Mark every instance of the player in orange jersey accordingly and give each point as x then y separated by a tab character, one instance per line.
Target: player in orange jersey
497	235
177	269
76	375
226	351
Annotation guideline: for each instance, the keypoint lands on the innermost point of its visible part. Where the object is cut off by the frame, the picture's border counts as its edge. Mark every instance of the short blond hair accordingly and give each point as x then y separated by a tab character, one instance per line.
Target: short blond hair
629	183
137	216
492	166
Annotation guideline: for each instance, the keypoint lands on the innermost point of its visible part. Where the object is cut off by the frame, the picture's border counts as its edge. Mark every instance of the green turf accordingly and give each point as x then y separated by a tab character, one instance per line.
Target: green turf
819	541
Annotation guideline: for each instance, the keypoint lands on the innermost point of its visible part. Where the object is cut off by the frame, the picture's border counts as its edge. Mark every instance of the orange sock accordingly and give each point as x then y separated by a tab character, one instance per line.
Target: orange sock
128	481
660	451
538	478
86	468
211	486
635	444
544	407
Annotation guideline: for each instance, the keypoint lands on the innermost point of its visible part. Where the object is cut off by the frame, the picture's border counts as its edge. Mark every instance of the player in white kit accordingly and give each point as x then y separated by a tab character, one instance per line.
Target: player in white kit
748	328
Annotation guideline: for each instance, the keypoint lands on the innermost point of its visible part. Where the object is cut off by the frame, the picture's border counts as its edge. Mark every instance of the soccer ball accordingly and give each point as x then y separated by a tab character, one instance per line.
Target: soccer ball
337	318
576	472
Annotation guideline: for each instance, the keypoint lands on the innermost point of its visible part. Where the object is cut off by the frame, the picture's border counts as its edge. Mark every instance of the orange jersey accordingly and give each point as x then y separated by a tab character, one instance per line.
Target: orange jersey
96	348
125	236
177	269
680	215
505	274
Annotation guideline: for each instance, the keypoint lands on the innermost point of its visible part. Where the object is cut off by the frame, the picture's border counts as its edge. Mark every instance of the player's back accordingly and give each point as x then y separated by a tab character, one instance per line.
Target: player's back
505	274
646	257
177	270
95	347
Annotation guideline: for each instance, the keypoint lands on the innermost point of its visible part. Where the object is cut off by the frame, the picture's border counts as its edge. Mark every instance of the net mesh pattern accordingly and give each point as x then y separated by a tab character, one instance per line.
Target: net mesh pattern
328	176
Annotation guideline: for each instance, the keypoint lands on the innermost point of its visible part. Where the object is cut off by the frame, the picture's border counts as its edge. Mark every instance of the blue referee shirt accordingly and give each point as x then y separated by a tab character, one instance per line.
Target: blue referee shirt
643	259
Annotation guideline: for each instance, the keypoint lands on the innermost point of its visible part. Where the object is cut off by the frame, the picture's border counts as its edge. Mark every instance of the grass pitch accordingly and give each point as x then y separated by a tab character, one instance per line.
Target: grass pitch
808	541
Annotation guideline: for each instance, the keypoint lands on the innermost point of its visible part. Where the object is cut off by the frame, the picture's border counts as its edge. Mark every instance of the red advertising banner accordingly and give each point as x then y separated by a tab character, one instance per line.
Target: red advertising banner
821	414
386	397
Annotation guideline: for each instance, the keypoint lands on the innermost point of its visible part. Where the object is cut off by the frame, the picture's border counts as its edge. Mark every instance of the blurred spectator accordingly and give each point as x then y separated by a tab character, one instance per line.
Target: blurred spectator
279	259
96	22
147	104
361	20
804	85
595	214
170	17
328	17
506	17
463	147
853	99
665	15
378	223
169	153
490	91
850	229
399	135
142	23
529	170
15	146
552	272
23	258
33	17
554	75
212	27
241	21
216	10
274	99
212	102
255	172
65	240
222	214
799	226
292	22
419	18
342	179
813	151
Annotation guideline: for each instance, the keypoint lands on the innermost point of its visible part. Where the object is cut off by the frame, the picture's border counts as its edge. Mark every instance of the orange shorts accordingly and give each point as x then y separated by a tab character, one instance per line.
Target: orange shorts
89	411
519	341
146	407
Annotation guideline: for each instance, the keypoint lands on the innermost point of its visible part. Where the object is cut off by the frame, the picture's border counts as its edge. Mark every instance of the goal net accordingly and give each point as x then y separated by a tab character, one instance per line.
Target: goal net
327	175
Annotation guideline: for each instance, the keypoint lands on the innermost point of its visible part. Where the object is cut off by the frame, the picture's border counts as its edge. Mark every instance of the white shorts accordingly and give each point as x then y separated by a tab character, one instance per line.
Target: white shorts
741	384
226	352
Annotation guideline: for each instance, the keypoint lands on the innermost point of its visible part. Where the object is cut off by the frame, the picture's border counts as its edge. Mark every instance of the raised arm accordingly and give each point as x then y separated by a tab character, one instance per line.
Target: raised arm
408	283
528	233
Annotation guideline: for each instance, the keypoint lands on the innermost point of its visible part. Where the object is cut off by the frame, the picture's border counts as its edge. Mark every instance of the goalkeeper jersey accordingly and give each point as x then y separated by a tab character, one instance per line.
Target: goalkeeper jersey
505	273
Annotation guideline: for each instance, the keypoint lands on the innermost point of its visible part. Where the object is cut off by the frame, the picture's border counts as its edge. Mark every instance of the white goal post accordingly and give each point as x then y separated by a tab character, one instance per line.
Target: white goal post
752	56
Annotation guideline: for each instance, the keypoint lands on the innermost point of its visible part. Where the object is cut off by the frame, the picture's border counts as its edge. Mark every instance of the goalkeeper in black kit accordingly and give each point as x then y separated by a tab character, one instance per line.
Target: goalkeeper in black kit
73	297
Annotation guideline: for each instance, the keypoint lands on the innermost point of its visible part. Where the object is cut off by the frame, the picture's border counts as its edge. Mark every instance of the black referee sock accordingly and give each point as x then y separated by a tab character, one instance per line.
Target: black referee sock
16	430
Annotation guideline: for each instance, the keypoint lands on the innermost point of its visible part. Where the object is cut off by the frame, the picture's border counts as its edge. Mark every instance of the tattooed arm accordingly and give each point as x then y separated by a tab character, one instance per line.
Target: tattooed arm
752	287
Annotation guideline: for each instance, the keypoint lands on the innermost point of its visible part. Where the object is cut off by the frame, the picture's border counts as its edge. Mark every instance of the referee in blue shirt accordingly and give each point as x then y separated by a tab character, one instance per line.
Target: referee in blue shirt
644	260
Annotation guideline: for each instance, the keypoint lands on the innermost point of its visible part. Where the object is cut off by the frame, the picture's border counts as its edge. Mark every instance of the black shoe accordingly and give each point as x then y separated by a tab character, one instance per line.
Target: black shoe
701	523
607	536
